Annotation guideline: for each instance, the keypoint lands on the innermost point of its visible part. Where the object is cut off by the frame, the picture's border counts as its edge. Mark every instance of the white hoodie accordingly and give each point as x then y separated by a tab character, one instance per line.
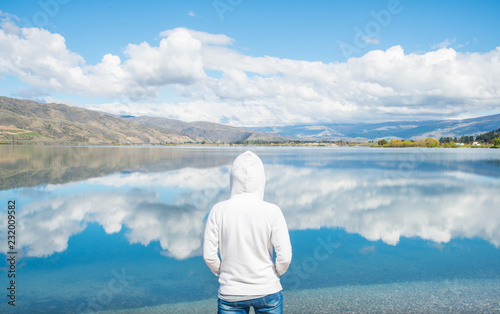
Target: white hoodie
245	229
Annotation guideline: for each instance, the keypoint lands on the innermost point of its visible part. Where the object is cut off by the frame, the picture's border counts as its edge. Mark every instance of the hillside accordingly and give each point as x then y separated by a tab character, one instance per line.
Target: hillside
211	132
27	121
393	130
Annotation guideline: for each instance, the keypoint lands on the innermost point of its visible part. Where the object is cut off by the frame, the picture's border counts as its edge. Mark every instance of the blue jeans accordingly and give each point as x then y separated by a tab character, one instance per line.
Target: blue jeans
271	304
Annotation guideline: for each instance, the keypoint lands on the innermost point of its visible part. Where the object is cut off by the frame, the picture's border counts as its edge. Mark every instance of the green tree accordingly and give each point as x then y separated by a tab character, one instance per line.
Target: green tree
488	136
382	142
443	140
431	142
395	143
497	142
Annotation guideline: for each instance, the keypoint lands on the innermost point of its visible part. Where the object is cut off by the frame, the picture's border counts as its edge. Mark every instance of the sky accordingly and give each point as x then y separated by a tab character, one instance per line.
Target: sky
256	63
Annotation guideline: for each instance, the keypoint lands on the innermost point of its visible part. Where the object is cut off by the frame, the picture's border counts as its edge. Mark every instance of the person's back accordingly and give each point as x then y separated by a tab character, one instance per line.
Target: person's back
244	229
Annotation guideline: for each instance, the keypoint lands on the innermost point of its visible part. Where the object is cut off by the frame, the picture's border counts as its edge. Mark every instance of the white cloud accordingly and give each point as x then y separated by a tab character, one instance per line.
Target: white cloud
381	85
204	38
41	58
444	44
371	40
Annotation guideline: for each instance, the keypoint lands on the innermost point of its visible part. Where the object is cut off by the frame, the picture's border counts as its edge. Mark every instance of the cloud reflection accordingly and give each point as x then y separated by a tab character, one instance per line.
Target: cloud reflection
170	207
436	207
166	207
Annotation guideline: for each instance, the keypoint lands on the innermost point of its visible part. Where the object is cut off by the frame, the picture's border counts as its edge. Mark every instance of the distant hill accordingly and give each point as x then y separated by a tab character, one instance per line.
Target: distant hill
392	130
211	132
25	121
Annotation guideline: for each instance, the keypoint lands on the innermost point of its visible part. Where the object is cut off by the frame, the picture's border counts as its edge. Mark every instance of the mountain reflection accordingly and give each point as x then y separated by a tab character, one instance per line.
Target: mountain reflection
170	206
25	166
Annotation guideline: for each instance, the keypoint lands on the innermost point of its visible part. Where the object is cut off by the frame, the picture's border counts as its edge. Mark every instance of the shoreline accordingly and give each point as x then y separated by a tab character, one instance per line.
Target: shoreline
371	145
457	296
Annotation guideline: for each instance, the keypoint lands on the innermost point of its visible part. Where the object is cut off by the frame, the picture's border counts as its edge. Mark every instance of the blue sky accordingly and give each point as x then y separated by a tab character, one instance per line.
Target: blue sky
250	63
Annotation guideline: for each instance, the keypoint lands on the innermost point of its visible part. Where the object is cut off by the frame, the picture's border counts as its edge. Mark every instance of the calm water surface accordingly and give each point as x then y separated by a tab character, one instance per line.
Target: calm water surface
120	229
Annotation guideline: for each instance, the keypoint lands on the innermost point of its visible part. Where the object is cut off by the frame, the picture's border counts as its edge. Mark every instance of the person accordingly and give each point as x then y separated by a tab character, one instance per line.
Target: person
244	230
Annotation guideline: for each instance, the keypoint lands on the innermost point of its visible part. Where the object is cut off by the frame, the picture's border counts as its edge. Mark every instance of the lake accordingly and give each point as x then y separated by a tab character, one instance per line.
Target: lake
120	229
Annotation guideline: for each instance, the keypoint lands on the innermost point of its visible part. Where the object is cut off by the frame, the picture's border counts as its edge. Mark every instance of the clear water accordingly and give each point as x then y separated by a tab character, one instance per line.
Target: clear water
119	229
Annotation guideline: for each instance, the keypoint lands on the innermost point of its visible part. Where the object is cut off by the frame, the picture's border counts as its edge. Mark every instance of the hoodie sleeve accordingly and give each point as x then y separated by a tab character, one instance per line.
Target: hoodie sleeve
211	244
281	242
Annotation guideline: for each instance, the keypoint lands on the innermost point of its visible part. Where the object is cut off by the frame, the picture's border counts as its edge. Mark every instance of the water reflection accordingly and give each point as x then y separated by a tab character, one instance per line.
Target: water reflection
361	193
158	207
436	207
25	166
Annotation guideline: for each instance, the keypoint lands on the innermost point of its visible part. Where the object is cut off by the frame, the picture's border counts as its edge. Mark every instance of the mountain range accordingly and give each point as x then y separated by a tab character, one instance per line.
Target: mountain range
388	130
208	131
25	121
30	122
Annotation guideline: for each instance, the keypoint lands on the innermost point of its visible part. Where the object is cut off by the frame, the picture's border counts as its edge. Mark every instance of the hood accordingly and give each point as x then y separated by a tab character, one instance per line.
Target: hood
247	175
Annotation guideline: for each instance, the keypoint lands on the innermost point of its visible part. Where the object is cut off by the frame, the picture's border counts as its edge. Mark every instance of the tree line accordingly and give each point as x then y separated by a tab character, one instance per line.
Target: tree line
428	142
485	138
491	137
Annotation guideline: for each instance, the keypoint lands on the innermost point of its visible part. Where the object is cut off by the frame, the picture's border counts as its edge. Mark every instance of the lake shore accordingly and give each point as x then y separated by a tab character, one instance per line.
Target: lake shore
449	296
304	144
